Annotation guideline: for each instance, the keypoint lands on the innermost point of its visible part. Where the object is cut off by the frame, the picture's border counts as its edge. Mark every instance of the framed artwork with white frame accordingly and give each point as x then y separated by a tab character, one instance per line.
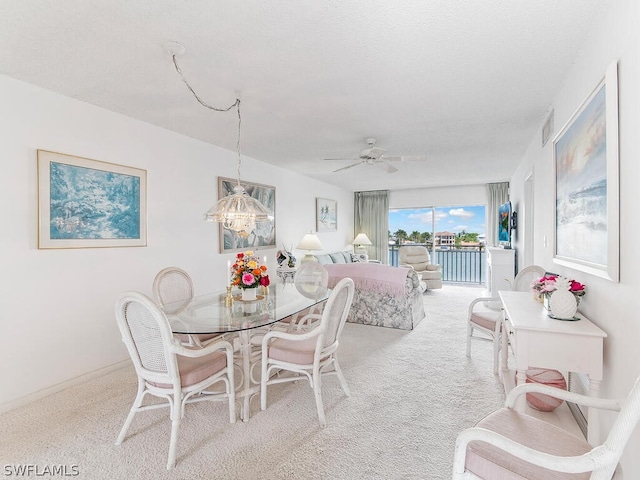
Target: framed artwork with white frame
326	215
84	203
586	164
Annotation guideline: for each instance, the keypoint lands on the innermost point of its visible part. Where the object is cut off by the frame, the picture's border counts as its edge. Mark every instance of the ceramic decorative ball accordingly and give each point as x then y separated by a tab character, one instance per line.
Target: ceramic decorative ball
562	302
311	280
545	376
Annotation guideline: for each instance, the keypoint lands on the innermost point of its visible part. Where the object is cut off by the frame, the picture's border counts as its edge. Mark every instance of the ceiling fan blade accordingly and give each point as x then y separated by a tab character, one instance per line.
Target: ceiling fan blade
343	158
405	158
348	166
387	167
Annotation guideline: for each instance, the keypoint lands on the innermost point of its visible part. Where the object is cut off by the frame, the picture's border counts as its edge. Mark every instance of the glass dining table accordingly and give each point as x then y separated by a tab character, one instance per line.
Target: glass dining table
212	313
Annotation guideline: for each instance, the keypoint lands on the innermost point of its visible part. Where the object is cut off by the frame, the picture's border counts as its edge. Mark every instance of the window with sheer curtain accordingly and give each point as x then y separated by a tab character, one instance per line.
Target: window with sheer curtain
371	216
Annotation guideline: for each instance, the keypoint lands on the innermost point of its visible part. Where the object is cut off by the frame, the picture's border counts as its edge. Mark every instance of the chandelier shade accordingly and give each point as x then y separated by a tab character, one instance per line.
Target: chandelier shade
239	212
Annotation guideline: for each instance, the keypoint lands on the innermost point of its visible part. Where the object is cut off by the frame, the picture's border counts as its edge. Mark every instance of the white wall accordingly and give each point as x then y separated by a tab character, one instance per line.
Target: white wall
58	305
615	35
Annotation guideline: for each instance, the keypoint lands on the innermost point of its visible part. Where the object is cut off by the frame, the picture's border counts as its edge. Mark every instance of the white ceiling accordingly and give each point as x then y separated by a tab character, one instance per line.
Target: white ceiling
466	83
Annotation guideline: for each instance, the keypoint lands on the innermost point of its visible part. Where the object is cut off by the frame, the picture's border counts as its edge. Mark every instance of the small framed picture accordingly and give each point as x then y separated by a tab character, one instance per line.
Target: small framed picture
326	215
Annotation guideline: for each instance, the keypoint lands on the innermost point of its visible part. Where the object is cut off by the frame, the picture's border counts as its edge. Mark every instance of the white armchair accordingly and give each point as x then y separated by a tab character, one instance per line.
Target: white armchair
510	444
418	258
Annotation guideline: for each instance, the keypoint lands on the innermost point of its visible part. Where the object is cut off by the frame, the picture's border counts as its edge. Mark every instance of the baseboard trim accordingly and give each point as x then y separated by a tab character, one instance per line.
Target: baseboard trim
45	392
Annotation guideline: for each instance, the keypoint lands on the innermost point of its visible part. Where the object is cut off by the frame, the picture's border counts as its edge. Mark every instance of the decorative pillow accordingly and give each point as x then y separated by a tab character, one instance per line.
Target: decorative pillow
324	259
347	257
337	257
359	257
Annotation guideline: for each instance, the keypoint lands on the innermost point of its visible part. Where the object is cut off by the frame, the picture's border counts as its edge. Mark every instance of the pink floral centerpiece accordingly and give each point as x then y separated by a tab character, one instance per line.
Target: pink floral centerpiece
247	272
545	286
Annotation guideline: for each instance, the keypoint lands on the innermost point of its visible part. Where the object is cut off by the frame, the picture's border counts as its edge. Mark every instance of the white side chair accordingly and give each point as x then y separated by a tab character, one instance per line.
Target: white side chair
510	444
172	289
309	353
522	282
418	258
168	370
172	292
487	323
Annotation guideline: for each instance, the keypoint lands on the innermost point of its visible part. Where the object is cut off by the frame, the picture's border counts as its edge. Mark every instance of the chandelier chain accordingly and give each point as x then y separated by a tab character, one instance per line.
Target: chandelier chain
217	109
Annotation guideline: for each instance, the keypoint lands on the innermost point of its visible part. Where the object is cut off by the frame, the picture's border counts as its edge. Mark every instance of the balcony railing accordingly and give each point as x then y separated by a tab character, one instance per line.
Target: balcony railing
459	264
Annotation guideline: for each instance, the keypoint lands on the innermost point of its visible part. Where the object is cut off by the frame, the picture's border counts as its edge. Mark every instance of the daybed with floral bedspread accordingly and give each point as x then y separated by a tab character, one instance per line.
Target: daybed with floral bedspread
384	296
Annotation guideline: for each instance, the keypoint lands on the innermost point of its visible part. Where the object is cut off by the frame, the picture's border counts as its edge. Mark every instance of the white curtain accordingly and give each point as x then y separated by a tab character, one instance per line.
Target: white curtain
497	194
371	217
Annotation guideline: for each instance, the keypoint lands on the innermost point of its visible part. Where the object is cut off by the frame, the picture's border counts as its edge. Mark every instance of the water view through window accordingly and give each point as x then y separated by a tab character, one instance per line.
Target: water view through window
457	234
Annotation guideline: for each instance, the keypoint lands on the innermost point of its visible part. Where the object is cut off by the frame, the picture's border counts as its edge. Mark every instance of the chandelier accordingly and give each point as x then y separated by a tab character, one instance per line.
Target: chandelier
238	211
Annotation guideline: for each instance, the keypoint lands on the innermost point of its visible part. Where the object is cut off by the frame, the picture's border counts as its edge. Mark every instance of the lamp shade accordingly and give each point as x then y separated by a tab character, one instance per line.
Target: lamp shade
310	242
362	239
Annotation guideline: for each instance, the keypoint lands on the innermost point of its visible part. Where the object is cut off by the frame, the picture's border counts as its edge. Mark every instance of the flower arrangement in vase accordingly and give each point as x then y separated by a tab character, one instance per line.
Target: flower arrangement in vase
247	273
542	288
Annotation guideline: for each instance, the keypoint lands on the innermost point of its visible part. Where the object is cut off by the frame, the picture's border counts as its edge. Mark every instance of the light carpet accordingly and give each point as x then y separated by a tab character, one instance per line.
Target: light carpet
411	393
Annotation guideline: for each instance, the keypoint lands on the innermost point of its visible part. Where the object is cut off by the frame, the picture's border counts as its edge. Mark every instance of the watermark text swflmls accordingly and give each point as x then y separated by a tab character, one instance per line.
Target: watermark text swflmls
33	470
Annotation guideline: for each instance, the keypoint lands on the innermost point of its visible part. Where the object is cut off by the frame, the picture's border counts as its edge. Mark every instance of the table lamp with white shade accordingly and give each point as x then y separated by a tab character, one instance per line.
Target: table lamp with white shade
360	241
309	242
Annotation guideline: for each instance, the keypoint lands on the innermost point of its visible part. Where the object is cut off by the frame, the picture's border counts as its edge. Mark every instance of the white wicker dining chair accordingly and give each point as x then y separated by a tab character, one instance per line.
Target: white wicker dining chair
168	370
510	444
487	323
172	292
311	280
172	289
309	353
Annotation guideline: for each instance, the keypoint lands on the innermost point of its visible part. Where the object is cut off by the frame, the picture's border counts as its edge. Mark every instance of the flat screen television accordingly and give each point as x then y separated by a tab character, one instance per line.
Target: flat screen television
504	225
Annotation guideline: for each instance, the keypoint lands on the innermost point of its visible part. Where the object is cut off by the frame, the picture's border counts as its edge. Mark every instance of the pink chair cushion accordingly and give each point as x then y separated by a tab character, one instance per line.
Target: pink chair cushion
487	461
203	337
545	376
195	370
299	352
486	319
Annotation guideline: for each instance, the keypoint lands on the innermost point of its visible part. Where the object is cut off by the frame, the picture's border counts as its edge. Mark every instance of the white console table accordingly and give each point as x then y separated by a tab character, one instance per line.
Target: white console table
540	341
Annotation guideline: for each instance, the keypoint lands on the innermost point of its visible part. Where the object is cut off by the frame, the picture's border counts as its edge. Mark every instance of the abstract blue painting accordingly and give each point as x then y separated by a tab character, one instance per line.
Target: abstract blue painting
86	203
587	184
581	186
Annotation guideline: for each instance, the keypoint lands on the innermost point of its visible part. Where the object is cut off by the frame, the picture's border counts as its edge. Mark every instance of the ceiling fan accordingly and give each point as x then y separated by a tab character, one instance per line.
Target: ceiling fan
373	155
